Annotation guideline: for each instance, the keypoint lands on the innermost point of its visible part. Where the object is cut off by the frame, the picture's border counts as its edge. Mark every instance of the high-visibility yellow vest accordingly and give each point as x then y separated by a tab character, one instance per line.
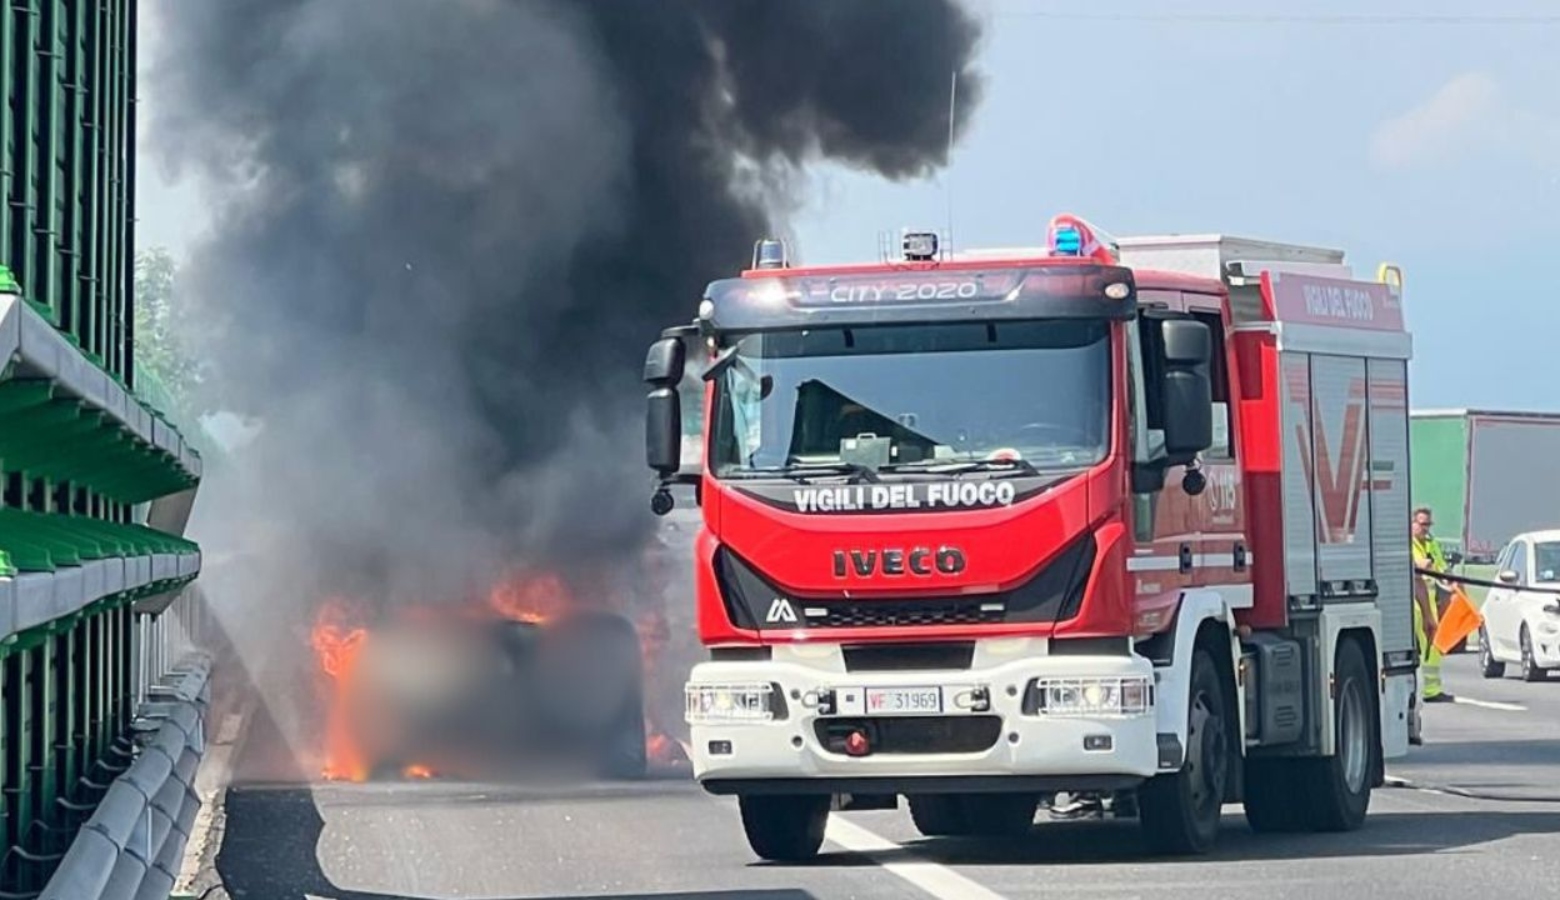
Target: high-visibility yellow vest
1428	551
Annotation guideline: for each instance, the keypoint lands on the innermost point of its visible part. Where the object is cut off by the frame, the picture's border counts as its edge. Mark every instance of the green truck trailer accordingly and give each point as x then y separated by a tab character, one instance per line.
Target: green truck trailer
1487	475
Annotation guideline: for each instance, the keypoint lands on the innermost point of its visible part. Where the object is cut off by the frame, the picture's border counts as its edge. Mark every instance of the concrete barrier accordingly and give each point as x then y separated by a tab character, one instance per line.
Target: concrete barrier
135	838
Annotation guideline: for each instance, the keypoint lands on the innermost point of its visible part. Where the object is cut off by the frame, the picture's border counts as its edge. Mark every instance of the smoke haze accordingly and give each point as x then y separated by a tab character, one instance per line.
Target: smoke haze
445	232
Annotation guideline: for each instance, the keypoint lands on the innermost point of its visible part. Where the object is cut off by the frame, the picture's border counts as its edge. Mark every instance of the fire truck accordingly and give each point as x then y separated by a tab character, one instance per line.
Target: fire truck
1115	517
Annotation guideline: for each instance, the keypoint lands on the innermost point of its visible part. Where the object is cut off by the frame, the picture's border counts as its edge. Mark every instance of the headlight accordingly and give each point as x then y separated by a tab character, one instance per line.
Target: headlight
1095	696
729	702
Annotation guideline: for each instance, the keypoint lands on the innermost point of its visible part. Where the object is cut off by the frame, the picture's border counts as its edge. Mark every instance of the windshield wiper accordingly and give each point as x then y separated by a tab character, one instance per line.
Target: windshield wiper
959	467
802	471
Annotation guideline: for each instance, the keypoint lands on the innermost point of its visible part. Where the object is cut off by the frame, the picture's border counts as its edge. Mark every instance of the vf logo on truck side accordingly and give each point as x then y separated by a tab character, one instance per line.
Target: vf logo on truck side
1339	483
920	561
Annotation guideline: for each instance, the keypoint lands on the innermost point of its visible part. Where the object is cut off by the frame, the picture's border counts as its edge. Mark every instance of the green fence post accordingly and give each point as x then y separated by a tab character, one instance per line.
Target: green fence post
5	749
63	676
48	699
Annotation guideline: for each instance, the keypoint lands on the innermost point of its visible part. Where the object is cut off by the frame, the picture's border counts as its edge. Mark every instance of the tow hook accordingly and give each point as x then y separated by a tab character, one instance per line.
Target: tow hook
856	743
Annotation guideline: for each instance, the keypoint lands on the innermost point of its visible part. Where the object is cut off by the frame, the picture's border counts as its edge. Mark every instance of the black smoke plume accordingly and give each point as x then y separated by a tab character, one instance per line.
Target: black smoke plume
446	230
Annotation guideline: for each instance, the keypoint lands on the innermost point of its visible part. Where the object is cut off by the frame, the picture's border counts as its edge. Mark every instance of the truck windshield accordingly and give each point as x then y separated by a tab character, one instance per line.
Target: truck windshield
915	397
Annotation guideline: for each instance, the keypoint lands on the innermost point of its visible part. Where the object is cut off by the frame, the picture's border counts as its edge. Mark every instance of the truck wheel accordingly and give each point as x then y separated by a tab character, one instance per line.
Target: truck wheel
999	815
623	756
1274	802
1489	666
1339	786
1180	811
784	828
939	815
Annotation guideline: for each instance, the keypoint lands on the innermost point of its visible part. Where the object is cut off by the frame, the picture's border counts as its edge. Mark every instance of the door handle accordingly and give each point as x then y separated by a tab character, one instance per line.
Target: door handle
1186	558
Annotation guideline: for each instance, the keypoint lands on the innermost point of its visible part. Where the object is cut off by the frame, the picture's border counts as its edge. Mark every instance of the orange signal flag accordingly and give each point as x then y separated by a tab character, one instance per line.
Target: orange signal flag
1460	620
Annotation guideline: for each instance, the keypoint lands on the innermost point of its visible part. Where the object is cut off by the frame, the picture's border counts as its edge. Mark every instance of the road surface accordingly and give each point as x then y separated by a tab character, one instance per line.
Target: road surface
664	839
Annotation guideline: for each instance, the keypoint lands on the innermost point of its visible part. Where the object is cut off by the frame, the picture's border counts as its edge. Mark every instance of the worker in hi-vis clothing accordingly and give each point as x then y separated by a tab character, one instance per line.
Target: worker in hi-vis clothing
1427	555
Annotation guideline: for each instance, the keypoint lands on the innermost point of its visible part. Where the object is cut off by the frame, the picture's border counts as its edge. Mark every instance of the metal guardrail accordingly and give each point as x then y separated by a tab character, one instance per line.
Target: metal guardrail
132	846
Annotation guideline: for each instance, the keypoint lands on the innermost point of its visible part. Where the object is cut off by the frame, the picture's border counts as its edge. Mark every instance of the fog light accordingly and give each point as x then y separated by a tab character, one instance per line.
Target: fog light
1131	696
728	703
720	748
856	744
1097	742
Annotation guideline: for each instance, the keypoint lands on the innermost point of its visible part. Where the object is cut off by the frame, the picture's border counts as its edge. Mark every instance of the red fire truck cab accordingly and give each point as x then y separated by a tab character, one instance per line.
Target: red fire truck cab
1117	516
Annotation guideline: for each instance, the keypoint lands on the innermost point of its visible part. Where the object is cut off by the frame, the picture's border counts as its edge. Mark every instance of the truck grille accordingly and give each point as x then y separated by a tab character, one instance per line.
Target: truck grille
1053	593
884	613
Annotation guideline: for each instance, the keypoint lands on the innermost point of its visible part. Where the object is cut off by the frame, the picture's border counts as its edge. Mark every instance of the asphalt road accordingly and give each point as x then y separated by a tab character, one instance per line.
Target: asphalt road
1499	745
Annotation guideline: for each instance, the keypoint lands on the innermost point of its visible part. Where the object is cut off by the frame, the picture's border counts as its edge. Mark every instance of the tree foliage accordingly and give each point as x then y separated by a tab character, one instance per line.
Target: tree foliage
168	373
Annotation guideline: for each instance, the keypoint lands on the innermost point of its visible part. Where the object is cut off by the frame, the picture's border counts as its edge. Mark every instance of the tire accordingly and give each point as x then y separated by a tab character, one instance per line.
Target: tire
623	756
385	770
999	815
583	671
1180	812
1340	785
1489	666
939	815
1274	801
784	828
1530	669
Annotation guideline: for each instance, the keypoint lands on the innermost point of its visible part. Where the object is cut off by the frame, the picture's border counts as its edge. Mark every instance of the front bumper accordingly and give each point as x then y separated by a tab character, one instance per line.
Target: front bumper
1546	643
998	738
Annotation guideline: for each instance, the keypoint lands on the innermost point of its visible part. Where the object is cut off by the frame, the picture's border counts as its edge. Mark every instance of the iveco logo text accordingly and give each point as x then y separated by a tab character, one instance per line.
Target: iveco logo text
922	561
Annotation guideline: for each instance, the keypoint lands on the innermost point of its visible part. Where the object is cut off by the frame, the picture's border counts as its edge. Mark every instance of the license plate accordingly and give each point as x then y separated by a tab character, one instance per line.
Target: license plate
903	701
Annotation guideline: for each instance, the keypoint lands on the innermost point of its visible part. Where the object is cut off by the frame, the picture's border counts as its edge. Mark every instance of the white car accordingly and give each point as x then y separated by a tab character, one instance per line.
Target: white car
1522	617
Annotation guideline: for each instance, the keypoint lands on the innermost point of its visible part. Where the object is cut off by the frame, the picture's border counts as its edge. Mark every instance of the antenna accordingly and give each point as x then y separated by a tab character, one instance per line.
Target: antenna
953	105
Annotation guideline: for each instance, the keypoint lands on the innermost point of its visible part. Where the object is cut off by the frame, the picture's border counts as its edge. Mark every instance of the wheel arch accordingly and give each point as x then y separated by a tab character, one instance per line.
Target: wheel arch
1366	638
1203	621
1360	624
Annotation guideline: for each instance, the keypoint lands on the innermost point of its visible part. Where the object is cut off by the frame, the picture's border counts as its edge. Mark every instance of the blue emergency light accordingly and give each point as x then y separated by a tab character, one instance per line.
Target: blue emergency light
1067	241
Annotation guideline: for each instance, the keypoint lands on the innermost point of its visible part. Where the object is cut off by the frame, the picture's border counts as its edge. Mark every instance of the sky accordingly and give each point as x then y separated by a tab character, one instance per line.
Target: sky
1418	133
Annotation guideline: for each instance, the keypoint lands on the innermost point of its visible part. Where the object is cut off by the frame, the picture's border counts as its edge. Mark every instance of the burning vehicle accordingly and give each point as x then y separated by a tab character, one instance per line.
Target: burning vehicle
483	690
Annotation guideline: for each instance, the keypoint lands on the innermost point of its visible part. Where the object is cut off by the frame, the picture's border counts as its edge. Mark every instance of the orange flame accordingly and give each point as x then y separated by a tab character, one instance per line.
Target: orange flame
536	599
337	640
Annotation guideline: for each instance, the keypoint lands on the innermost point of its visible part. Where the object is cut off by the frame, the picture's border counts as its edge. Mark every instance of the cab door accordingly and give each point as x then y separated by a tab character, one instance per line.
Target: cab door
1163	558
1216	520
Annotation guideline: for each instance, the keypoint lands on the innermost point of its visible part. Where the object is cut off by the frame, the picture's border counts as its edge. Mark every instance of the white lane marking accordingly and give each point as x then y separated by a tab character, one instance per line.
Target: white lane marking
1489	704
939	881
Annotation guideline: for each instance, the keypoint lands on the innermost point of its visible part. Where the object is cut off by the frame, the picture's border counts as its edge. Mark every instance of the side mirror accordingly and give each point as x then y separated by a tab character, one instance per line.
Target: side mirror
663	431
1186	390
664	363
663	414
1507	576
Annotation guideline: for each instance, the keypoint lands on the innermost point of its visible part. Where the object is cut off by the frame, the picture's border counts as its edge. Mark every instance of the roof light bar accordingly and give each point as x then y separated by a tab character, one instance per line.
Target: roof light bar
1069	235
